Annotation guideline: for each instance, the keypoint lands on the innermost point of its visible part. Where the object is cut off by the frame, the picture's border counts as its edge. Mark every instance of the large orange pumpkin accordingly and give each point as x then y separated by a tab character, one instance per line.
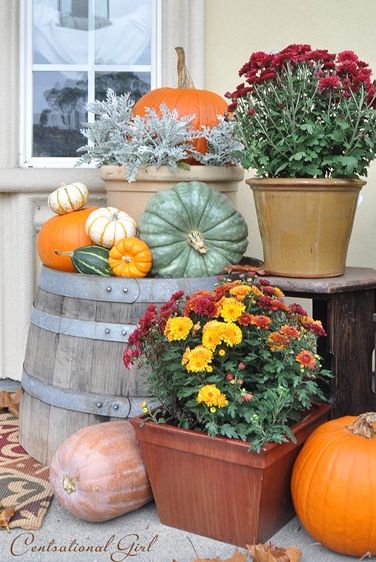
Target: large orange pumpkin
334	485
98	472
205	105
63	233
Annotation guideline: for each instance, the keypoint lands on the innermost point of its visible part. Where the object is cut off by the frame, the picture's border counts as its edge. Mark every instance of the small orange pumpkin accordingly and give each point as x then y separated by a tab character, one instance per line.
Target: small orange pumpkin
334	485
130	257
64	233
205	105
98	472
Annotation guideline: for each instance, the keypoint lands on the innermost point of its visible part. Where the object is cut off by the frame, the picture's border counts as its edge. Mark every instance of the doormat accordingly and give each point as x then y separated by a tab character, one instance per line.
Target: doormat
23	480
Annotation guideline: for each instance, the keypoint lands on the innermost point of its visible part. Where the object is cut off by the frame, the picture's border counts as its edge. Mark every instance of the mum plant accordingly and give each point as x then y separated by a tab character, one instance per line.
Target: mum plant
306	113
237	361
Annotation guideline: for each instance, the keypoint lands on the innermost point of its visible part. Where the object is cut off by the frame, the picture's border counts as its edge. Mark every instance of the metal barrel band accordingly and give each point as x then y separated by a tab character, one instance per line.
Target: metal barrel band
81	328
119	289
87	402
89	287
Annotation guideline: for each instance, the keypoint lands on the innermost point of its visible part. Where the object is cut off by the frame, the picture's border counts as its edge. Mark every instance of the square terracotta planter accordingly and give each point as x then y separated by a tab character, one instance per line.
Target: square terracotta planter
214	487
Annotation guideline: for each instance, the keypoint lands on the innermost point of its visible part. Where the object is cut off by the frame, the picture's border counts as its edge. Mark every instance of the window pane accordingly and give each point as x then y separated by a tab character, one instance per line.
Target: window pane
60	33
59	112
127	39
136	82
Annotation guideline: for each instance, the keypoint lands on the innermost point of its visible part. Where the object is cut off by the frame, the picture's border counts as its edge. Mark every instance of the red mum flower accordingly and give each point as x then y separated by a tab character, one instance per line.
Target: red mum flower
202	303
329	83
130	355
347	56
297	309
245	319
265	301
268	74
314	326
135	337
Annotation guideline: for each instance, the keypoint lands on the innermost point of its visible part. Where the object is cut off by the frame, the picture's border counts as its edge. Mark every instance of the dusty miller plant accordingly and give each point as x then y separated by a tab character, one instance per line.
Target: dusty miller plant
223	148
156	139
108	130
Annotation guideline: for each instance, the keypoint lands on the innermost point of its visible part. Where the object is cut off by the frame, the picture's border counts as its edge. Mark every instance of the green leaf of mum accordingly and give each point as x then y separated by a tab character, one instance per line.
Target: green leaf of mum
307	127
298	156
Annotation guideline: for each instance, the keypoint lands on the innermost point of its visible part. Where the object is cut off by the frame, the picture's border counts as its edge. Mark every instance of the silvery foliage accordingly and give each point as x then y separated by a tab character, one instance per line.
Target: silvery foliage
223	148
157	140
117	137
109	129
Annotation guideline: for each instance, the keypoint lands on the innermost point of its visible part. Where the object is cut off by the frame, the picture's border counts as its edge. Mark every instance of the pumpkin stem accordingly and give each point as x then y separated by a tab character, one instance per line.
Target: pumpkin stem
196	240
68	484
59	253
184	77
363	425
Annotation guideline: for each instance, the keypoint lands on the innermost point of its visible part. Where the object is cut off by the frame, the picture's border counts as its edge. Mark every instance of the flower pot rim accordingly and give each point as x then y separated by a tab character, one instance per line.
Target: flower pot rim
306	182
162	173
236	447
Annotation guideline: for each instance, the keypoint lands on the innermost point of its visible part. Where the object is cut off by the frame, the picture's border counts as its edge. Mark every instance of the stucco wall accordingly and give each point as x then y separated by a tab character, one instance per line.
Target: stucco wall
235	29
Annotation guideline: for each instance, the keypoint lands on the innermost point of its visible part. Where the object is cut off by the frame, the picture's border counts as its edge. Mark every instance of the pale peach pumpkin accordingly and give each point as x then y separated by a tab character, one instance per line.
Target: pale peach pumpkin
98	473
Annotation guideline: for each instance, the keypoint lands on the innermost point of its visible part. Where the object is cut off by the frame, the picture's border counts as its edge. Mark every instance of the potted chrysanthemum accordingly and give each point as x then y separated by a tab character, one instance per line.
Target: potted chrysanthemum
308	122
236	373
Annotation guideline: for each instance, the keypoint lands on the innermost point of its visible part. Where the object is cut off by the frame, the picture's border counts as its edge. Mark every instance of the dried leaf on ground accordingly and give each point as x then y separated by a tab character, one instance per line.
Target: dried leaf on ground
273	553
11	401
6	515
250	269
236	557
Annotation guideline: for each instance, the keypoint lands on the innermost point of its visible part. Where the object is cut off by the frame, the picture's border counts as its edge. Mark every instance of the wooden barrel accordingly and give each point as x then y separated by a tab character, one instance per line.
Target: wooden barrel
73	371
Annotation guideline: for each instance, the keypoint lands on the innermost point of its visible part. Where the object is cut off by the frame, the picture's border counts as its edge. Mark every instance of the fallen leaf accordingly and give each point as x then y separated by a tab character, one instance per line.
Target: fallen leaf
236	557
272	553
11	401
249	269
6	515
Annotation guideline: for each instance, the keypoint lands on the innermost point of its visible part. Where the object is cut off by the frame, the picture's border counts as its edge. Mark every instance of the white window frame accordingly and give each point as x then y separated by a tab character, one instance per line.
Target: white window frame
26	79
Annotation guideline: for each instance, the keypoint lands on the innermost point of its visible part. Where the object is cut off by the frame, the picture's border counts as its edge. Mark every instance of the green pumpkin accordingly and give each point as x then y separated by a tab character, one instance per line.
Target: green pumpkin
192	231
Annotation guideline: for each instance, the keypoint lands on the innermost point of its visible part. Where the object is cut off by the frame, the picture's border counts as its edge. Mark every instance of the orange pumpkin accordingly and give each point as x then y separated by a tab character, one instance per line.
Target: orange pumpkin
98	472
334	485
205	105
64	233
130	257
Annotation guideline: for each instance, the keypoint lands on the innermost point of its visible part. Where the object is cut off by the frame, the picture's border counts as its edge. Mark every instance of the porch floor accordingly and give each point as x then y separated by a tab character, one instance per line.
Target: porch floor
152	541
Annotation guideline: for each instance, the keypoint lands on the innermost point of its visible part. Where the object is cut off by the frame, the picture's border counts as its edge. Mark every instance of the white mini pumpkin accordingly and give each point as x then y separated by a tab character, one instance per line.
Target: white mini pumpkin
68	198
107	225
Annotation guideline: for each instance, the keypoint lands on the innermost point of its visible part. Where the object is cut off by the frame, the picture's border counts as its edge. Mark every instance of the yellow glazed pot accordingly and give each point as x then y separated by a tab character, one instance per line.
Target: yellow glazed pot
305	224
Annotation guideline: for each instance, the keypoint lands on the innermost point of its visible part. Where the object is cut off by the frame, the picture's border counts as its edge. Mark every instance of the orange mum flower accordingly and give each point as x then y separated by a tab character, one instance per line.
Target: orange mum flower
306	359
256	291
261	321
277	341
240	292
290	331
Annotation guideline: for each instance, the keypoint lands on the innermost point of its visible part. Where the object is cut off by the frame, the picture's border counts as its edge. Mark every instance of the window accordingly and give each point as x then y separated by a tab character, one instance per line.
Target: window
74	50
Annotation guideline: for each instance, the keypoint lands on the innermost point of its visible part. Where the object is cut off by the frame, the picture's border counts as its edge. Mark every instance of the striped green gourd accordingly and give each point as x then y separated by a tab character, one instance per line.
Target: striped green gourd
91	260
